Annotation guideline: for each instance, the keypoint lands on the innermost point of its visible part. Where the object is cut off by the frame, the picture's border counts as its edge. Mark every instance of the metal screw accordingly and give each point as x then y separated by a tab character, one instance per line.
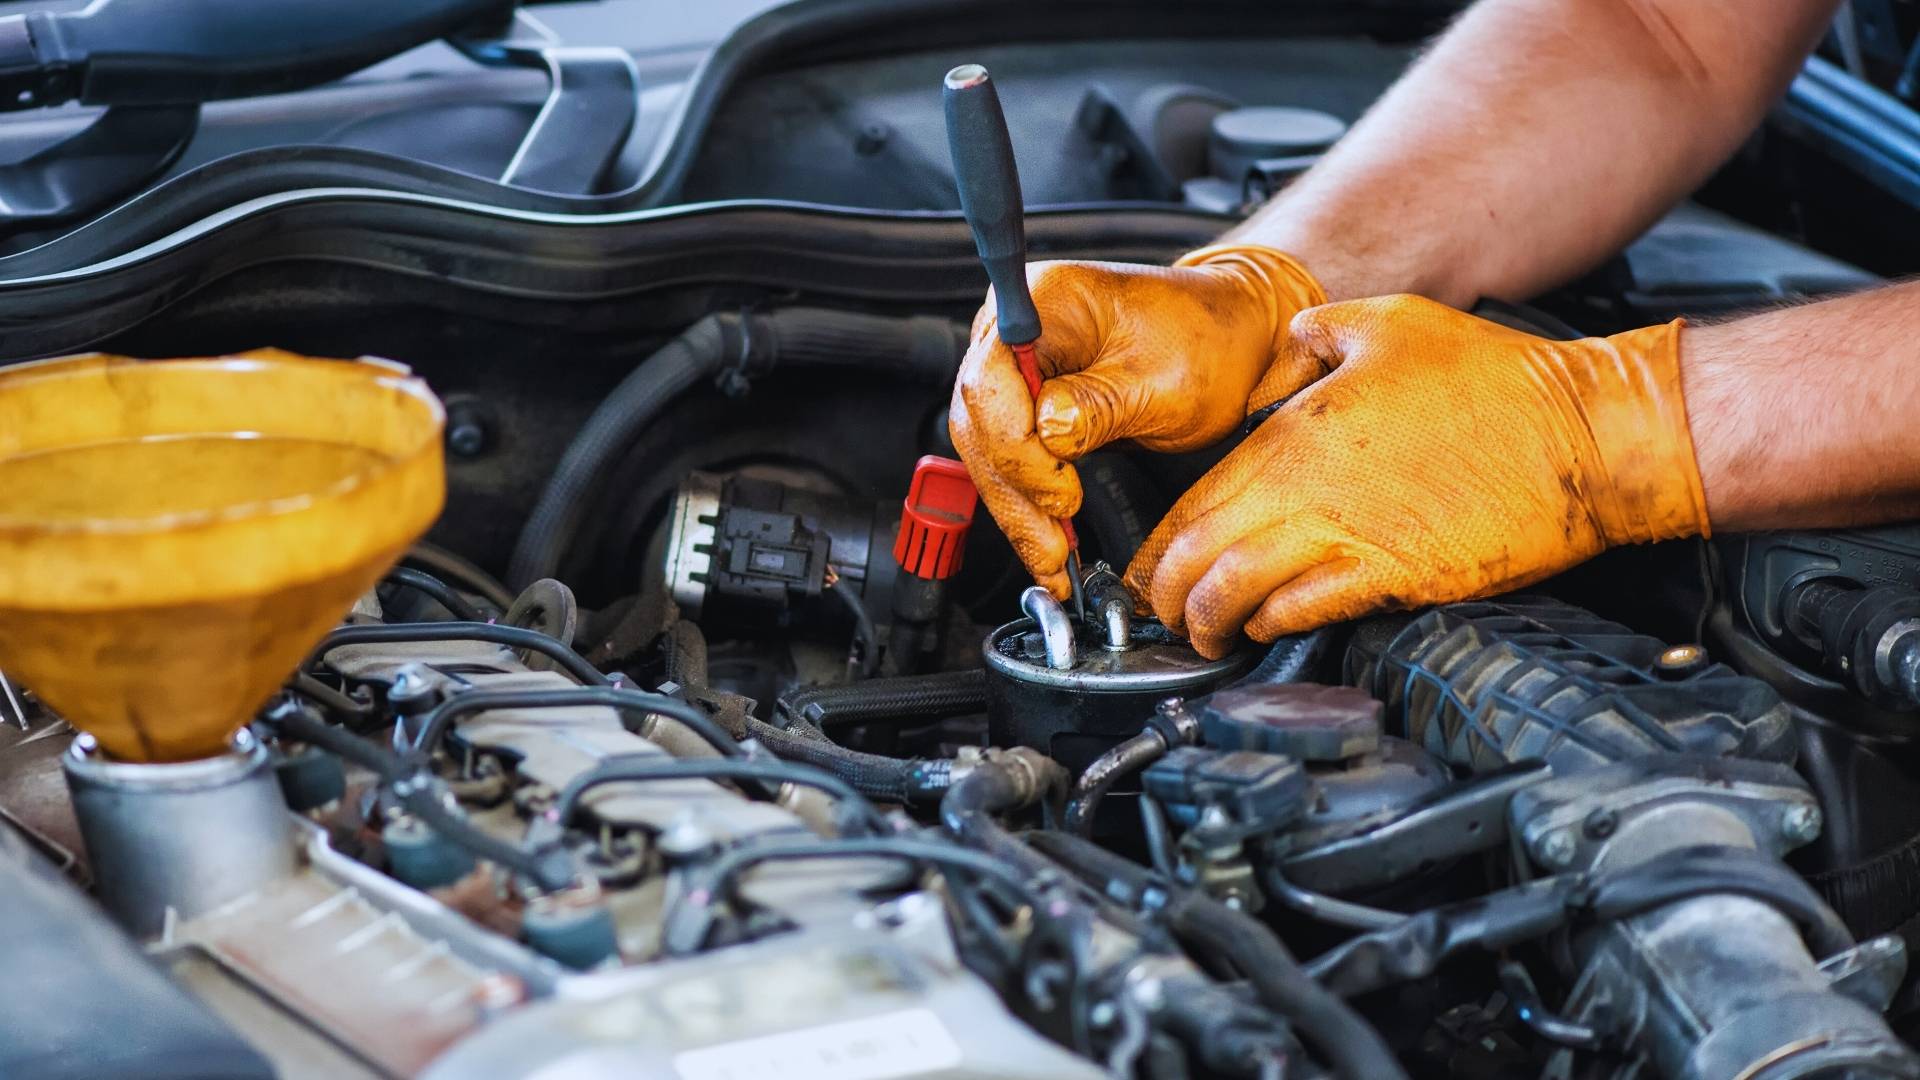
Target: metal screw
467	435
1680	661
1800	823
1601	823
409	682
872	138
499	991
685	838
1556	848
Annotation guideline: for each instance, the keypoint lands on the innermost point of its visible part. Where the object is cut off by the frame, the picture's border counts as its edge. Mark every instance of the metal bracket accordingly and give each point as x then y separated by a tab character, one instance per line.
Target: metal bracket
589	111
1468	818
1632	809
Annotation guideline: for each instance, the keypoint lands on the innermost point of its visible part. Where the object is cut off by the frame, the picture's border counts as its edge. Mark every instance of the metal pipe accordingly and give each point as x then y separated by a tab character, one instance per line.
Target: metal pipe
1056	629
1117	615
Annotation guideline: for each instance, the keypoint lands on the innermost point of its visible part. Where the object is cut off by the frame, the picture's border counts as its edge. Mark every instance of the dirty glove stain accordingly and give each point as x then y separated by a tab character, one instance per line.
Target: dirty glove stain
1172	358
1444	457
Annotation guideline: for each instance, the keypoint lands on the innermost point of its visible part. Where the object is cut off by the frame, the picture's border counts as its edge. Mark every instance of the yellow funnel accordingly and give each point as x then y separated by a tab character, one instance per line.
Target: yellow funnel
176	535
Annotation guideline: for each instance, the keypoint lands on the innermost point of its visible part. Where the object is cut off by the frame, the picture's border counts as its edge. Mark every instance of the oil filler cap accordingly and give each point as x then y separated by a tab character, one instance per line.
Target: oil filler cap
933	526
1301	720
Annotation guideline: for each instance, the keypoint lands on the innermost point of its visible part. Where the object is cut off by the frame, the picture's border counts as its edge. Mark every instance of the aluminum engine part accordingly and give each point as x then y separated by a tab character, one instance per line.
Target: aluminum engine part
406	983
1646	761
876	995
178	839
1722	985
550	746
392	974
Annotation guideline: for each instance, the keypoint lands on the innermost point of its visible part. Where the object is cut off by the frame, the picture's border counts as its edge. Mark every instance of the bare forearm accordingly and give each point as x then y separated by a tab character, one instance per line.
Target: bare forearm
1806	416
1536	138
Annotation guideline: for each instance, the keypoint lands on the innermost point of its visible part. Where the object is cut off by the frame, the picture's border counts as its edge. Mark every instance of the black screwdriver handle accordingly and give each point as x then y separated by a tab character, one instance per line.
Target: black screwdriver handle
989	184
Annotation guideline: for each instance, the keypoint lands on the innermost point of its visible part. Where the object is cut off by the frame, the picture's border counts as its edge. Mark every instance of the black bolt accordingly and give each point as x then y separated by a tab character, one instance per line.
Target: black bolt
872	139
1600	824
466	431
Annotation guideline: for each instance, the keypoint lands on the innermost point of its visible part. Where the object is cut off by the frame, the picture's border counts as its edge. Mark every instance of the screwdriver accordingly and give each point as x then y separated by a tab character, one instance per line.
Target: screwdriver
989	182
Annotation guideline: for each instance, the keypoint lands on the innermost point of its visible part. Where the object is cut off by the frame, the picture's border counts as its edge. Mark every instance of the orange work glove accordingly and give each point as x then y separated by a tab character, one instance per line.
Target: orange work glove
1444	458
1171	357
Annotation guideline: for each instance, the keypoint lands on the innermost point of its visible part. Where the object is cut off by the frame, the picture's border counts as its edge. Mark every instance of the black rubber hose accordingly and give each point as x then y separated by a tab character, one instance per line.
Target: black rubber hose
435	721
902	700
1348	1042
1416	945
410	780
1328	909
687	922
1689	872
854	808
335	701
439	591
864	635
1121	761
900	780
968	807
921	347
445	564
494	633
1293	658
968	810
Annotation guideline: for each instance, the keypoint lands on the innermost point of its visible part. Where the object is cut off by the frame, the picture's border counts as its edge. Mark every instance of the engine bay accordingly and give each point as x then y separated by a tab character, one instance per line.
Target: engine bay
715	731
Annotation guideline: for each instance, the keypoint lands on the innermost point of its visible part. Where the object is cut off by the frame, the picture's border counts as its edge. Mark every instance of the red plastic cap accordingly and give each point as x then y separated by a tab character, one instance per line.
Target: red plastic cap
933	527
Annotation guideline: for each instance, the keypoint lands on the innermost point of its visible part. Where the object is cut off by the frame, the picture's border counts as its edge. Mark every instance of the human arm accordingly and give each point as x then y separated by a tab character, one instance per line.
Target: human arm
1534	138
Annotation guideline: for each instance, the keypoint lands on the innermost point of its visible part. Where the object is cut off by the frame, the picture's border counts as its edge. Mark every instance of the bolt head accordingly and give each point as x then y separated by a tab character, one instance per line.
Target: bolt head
1682	656
1600	824
466	440
1556	849
1801	823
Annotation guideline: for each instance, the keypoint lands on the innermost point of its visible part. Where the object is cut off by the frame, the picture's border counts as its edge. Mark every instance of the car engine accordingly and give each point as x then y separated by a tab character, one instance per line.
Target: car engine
715	732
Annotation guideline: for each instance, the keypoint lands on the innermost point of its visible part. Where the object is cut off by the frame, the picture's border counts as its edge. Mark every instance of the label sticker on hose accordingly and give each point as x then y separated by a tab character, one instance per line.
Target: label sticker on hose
904	1043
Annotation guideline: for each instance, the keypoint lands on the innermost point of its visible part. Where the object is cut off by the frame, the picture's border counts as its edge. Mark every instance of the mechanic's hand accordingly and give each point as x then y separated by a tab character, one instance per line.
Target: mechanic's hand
1444	458
1170	357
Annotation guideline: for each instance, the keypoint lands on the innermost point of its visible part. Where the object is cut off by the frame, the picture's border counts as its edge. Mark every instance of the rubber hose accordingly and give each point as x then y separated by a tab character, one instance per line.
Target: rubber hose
685	646
921	347
436	590
898	780
900	701
1121	504
1293	658
410	780
968	808
853	808
1122	760
1353	1047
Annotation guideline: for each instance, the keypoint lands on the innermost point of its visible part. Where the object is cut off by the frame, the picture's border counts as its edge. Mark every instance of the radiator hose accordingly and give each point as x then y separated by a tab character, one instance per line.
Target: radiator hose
720	346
